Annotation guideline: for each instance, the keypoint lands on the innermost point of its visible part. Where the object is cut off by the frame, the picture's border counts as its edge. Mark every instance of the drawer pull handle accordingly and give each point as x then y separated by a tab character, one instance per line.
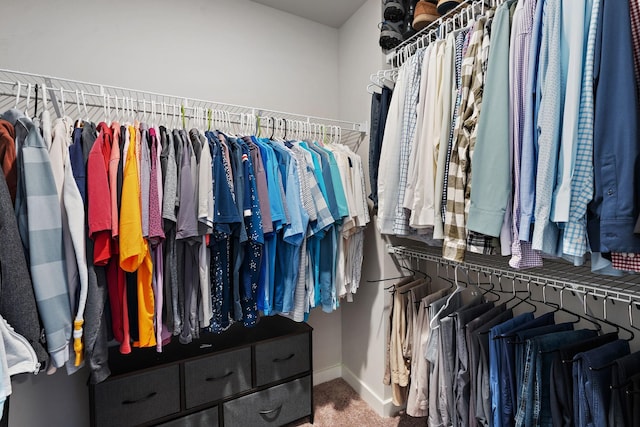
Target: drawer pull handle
284	359
271	411
142	399
228	374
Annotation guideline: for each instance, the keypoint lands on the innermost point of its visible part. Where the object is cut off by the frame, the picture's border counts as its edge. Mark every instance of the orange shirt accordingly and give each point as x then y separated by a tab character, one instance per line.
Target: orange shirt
134	250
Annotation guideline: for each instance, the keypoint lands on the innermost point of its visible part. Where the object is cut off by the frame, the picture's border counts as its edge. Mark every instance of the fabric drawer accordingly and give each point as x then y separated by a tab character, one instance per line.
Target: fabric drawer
276	406
282	358
216	377
138	398
208	418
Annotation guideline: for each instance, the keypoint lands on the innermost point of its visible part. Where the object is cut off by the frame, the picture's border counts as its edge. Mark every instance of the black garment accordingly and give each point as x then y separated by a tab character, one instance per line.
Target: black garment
562	378
633	401
379	111
623	369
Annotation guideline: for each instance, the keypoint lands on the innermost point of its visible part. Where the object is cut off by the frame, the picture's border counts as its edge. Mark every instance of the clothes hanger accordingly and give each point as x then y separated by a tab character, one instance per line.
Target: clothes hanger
19	84
520	300
580	317
618	328
456	291
26	108
35	107
632	335
488	291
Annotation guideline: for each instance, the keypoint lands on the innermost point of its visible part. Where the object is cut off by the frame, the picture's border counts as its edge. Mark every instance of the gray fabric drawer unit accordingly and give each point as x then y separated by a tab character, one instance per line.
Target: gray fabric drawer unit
216	377
242	377
276	360
139	398
274	406
208	418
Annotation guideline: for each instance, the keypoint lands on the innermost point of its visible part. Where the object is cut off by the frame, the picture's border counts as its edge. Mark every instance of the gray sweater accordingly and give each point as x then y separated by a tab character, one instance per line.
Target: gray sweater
17	302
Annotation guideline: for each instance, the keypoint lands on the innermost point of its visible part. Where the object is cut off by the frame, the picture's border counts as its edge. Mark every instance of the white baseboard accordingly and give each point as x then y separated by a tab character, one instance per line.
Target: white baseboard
384	408
327	374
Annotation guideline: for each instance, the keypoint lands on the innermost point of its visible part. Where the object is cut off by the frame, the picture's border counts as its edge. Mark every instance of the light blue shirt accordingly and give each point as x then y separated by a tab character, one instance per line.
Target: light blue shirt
574	239
572	46
341	199
278	216
545	232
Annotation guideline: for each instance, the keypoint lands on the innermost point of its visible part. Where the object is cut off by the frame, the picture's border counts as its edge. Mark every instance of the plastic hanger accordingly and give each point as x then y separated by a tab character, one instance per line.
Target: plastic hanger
456	291
18	94
26	108
520	300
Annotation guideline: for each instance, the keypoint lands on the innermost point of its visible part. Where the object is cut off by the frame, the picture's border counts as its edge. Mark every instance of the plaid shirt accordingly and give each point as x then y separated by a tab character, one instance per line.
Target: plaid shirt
476	242
409	120
574	241
626	262
522	255
460	39
459	183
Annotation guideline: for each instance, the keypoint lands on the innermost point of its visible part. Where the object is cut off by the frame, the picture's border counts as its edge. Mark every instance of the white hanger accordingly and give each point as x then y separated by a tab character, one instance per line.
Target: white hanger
458	289
84	105
18	94
26	108
45	101
64	108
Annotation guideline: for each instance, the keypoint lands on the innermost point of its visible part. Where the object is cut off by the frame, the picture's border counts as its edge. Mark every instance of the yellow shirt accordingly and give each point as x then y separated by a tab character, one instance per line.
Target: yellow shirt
134	250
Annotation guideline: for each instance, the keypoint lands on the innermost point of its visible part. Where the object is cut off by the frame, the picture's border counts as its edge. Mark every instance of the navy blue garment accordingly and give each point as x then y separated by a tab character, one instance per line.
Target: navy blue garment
225	220
615	206
239	237
77	163
252	262
592	382
562	377
379	111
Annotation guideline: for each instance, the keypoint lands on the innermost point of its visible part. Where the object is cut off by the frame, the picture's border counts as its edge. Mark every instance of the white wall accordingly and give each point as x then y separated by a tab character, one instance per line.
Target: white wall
364	321
232	51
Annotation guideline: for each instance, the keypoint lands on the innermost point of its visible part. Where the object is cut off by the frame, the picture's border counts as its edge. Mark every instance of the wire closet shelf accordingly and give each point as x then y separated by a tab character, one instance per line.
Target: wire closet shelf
457	17
557	274
94	100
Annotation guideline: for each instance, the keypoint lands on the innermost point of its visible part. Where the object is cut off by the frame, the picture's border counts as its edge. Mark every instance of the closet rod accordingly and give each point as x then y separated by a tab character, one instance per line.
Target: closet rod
555	273
411	44
99	90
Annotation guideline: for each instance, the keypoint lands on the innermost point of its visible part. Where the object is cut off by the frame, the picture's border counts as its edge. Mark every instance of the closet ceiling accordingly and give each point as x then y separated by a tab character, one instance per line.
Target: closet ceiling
333	13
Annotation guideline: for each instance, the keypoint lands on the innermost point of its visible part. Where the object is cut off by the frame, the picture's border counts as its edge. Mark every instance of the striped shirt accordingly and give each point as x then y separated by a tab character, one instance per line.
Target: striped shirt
409	120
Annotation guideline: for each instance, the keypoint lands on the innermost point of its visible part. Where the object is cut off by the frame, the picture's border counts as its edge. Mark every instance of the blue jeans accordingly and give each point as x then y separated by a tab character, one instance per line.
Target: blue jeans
527	402
592	380
508	372
498	364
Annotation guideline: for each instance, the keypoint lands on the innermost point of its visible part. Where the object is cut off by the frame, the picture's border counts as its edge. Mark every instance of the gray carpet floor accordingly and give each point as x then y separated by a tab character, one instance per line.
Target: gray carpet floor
337	404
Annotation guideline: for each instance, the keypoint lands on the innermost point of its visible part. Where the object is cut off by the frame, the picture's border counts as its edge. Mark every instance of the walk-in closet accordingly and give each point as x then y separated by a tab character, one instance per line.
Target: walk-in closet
330	213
